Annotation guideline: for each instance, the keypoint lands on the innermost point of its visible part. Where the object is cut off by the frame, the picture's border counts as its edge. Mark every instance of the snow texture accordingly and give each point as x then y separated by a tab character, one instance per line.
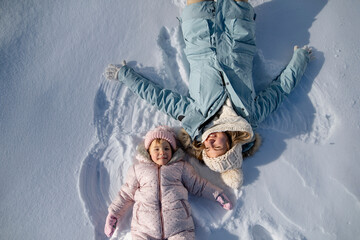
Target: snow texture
68	135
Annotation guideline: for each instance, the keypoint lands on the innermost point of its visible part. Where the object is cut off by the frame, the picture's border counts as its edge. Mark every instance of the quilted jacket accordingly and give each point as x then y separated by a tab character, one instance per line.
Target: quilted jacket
159	196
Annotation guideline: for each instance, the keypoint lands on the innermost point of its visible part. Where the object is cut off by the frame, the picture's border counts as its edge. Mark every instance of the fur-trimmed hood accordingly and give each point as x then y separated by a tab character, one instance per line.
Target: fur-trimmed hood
225	120
249	149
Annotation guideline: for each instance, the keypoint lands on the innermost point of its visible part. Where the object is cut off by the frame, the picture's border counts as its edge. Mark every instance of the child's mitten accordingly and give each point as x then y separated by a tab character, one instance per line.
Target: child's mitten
224	201
110	225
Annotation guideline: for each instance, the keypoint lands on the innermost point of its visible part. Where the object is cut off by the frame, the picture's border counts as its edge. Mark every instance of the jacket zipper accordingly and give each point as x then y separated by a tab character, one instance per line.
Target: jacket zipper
160	205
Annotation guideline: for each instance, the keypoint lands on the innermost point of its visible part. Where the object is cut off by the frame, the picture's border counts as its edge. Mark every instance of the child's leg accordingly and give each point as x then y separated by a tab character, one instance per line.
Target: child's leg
186	235
141	236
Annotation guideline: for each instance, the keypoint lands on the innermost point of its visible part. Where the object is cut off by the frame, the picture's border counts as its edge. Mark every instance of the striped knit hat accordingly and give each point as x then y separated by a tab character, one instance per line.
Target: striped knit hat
161	132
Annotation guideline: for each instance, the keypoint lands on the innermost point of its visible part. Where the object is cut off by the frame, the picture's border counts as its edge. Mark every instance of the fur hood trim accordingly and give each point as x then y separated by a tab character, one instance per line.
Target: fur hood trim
230	160
142	155
249	148
253	146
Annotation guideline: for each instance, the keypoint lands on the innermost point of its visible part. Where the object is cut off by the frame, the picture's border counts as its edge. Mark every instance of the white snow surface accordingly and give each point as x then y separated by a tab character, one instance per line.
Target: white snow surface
68	135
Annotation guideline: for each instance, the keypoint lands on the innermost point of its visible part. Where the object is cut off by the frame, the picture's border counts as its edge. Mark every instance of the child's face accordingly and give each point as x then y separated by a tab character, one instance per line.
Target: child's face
160	151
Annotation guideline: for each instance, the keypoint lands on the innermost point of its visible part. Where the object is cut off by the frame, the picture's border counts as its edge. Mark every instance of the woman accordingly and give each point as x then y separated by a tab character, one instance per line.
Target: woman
222	108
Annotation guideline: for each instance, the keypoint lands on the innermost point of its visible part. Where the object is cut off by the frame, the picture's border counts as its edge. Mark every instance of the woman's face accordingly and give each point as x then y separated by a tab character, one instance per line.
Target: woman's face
216	144
160	151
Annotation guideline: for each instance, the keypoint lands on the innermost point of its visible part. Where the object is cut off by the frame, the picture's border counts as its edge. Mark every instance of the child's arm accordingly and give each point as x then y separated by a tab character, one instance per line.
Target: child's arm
168	101
268	100
122	203
203	188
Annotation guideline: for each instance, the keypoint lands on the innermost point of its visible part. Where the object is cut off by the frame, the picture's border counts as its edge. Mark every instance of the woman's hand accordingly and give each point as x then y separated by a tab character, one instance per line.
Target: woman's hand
307	49
111	71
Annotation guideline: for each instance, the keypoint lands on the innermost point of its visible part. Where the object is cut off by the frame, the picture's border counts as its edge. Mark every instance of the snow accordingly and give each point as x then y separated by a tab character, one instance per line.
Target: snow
68	135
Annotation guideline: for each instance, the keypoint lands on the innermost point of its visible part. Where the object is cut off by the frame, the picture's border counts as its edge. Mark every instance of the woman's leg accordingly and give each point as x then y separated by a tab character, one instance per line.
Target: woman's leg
238	30
195	1
198	28
198	25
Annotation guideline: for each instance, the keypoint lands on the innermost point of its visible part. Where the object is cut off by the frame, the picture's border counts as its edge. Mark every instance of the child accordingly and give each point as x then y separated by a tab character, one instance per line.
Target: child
157	188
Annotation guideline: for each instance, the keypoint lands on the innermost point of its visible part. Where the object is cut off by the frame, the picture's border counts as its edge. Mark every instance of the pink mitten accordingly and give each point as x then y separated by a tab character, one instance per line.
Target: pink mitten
110	225
224	201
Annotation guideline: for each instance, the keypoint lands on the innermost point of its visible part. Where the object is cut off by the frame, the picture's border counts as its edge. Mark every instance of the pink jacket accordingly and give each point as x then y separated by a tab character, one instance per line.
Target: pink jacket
160	195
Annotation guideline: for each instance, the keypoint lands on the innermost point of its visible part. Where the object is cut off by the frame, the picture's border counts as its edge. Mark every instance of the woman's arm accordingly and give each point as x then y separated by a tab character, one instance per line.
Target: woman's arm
168	101
268	100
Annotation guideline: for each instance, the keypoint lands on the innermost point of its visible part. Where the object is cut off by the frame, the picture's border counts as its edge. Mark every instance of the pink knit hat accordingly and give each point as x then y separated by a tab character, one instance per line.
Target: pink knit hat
162	132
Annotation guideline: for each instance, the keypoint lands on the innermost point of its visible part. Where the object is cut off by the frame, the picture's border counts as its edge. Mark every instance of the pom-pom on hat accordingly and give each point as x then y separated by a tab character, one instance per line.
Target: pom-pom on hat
161	132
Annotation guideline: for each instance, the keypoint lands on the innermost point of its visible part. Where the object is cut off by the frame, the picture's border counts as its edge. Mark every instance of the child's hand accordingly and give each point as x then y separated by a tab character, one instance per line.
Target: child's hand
224	201
110	225
111	71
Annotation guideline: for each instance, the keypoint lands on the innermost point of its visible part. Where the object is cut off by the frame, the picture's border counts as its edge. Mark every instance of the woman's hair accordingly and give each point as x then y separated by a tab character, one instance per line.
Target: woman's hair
195	148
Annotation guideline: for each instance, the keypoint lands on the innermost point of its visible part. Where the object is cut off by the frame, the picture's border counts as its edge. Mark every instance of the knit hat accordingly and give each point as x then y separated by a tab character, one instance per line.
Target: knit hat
161	132
227	120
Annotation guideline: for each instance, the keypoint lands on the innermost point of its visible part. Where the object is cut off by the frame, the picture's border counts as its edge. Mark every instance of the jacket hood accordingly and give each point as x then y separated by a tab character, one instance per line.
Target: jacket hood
227	120
142	155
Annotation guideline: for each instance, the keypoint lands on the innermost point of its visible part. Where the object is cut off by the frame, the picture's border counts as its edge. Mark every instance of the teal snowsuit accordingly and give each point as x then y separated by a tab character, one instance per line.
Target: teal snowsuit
220	47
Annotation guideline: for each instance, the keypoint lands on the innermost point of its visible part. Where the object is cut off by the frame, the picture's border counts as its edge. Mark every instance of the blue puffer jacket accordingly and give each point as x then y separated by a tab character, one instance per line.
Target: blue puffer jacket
220	46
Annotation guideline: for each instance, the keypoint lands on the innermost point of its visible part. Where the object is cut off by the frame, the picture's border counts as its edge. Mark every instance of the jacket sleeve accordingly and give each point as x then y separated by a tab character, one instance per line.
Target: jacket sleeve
197	185
125	197
268	100
168	101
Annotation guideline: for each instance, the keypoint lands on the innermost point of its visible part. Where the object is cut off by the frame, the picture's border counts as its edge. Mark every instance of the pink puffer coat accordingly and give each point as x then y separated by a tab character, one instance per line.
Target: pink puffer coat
160	196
